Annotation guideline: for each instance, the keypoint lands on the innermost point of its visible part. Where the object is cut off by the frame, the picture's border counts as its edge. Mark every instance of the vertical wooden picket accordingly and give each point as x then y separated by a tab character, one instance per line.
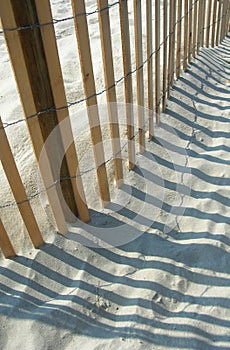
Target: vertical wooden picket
165	53
203	23
208	22
82	34
107	55
223	21
200	26
171	54
170	47
18	190
185	34
139	73
157	60
219	14
227	19
190	31
214	13
173	43
179	25
126	54
149	18
195	29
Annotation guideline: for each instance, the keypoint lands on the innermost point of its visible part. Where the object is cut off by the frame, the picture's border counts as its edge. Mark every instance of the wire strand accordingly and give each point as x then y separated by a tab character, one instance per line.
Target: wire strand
118	81
56	21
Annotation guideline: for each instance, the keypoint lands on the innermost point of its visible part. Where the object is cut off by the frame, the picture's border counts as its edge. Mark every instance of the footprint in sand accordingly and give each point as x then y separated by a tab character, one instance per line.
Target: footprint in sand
164	306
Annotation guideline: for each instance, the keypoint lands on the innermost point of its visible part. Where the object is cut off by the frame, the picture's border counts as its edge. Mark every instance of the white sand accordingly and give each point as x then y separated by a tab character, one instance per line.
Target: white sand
169	288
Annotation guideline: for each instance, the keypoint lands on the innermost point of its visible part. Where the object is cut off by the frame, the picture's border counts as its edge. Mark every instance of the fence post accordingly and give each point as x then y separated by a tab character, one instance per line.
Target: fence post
219	14
139	73
190	32
165	52
58	90
106	44
194	39
208	22
18	190
214	22
179	25
33	84
227	18
185	35
223	22
82	34
203	22
170	46
157	60
126	53
171	54
200	26
5	243
149	18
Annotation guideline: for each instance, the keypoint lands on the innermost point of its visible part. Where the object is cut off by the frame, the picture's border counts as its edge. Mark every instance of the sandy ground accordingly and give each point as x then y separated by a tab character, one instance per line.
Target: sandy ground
168	288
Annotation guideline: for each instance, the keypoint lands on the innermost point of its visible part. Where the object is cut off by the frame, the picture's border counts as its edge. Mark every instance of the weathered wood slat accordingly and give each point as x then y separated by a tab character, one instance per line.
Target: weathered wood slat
82	34
126	54
140	72
18	190
106	44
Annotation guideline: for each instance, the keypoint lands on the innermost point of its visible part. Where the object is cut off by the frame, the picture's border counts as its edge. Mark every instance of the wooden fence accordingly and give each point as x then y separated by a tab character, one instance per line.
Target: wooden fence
180	30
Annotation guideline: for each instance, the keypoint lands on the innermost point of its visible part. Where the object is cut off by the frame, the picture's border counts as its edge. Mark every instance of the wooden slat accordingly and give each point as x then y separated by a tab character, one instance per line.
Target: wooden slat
170	47
22	77
214	13
106	44
173	43
157	60
18	190
185	61
5	243
140	72
126	53
84	50
208	22
222	20
219	14
195	29
203	23
190	23
149	18
227	19
224	16
179	25
171	54
200	29
165	53
56	79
